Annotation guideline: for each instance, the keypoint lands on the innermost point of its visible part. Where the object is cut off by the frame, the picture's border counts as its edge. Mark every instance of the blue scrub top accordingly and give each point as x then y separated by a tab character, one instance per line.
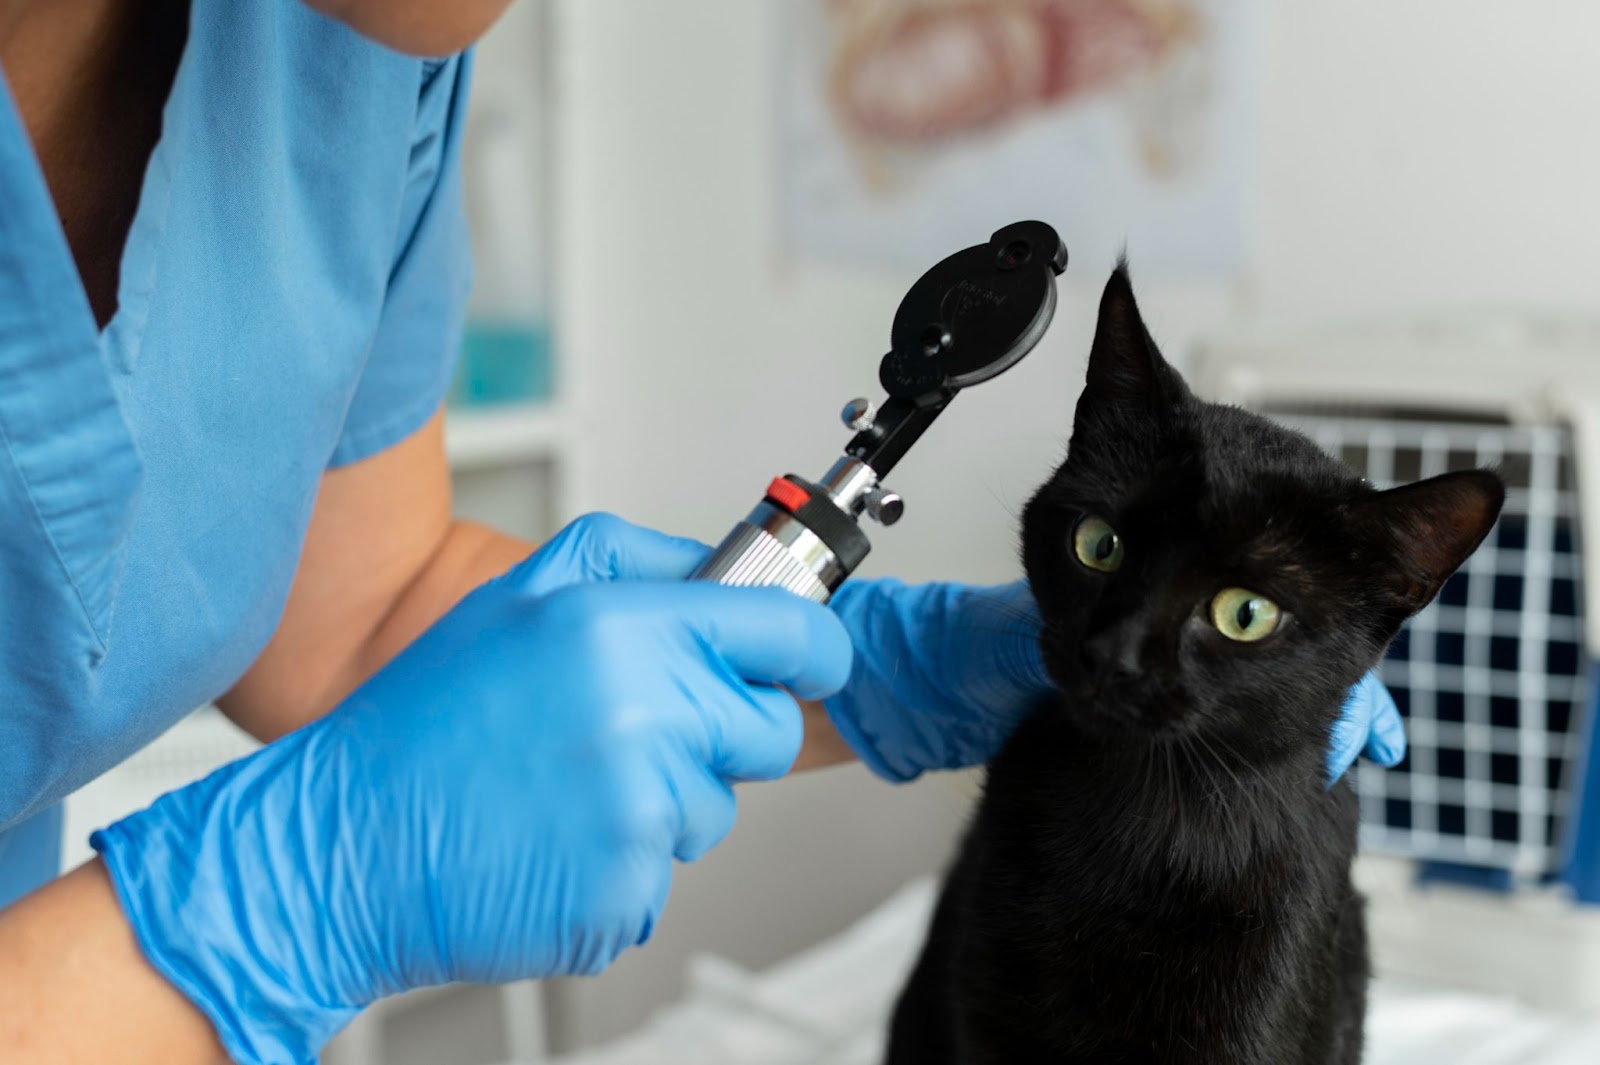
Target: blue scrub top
290	299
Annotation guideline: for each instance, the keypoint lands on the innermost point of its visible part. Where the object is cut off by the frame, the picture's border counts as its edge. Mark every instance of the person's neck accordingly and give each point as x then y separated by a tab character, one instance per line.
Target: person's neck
41	39
33	21
90	79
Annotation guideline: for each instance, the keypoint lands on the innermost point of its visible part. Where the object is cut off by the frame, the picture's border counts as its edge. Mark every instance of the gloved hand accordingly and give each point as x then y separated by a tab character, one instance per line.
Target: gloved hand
944	672
503	801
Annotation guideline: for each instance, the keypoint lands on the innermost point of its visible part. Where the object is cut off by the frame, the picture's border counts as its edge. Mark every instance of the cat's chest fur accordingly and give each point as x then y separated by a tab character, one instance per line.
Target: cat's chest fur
1111	907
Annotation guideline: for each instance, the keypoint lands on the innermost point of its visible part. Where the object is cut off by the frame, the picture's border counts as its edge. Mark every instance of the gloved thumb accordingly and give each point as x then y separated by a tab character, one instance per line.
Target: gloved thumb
1370	723
603	547
768	636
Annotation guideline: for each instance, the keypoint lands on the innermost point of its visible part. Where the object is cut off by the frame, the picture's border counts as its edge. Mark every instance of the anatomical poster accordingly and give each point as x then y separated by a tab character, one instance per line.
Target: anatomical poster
912	128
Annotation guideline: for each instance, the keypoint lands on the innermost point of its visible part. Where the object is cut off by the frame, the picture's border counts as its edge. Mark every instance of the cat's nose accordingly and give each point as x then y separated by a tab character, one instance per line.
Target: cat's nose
1114	653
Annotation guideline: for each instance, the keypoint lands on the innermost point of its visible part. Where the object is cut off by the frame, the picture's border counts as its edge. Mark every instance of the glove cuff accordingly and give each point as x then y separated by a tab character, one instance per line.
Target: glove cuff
190	900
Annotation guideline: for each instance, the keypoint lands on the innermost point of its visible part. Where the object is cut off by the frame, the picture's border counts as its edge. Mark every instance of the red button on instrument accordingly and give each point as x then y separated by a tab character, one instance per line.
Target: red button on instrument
787	494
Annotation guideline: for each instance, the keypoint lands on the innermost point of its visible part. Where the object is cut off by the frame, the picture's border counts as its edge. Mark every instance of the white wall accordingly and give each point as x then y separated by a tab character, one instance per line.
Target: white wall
1413	153
1430	152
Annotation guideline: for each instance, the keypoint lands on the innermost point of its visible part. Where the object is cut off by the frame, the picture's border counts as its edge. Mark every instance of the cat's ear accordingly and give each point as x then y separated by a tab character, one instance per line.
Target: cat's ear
1426	531
1125	366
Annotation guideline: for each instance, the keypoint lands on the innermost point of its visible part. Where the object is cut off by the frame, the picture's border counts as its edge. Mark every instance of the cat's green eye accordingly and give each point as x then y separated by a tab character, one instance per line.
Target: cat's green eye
1097	544
1245	616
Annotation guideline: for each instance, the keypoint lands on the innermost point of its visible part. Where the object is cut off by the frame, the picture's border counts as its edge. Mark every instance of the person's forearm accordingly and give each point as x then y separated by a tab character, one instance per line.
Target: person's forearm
823	746
75	989
336	634
468	555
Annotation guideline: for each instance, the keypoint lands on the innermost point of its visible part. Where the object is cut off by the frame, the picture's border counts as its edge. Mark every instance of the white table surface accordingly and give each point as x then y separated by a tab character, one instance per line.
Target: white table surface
827	1007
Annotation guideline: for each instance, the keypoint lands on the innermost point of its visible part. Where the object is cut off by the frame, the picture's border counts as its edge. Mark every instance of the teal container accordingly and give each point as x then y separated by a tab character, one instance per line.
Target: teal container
503	362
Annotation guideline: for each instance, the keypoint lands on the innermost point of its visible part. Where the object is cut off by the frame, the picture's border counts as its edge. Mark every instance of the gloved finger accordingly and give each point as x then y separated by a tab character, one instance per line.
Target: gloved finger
1349	732
708	808
754	731
765	635
1357	727
1386	742
604	547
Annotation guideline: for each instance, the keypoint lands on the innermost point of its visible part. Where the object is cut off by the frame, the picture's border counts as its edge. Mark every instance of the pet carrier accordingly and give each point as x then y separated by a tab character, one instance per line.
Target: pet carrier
1481	852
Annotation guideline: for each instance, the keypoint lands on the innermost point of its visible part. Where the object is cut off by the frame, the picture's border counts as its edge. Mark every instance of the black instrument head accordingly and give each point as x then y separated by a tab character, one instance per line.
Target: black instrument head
974	315
970	318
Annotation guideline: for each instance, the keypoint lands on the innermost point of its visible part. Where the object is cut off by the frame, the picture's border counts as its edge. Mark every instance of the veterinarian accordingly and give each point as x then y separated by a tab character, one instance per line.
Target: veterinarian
232	269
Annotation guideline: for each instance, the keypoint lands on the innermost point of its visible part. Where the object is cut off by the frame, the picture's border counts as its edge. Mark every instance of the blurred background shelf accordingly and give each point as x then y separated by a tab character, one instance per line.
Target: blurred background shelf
476	437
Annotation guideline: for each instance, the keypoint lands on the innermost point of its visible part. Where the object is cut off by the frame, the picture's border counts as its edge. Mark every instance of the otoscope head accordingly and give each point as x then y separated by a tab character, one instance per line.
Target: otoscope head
969	318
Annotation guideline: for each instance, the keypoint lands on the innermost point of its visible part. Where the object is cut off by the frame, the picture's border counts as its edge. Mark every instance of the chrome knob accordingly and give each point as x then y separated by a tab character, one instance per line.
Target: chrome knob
884	506
858	414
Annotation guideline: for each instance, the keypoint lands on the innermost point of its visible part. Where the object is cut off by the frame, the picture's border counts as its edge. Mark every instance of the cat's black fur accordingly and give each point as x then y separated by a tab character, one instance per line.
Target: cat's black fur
1158	872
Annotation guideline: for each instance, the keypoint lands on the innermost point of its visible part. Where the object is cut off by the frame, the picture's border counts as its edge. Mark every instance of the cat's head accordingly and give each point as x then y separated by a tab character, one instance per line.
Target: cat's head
1202	569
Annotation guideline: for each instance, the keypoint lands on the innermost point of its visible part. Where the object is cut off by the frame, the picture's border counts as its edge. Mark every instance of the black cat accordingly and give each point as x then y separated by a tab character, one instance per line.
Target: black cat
1158	871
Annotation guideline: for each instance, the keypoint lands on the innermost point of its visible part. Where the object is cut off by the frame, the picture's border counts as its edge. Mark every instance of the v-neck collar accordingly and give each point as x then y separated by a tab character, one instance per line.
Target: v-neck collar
31	236
138	265
74	471
138	271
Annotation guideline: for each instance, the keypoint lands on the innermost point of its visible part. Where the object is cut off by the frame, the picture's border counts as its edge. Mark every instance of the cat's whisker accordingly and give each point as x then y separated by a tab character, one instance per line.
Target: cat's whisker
1259	789
1146	774
1216	792
1009	506
1176	790
1221	761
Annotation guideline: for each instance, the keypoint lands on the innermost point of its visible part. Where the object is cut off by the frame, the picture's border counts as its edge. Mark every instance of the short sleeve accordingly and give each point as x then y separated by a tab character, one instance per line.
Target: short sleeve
414	350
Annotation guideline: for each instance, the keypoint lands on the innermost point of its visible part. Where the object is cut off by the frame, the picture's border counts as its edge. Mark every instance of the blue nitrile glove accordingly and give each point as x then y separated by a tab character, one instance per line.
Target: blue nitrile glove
944	672
502	801
1371	725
